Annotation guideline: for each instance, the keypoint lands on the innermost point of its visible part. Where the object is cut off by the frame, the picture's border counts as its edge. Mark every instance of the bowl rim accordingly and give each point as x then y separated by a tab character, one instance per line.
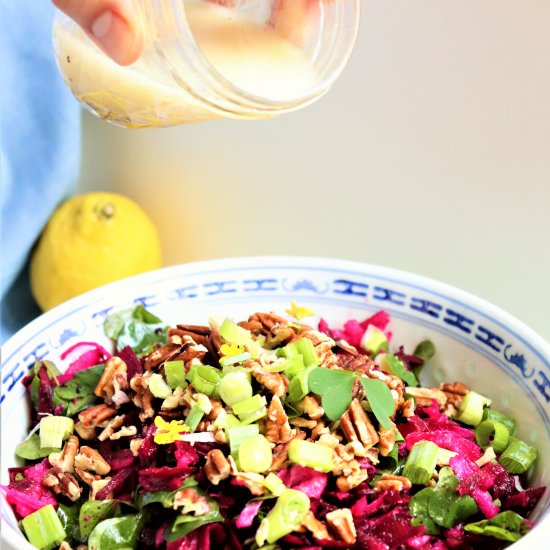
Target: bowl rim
533	340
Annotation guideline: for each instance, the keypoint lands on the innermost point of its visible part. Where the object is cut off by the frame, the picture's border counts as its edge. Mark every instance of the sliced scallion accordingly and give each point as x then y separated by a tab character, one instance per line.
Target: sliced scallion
193	418
518	456
255	455
274	484
313	455
175	374
252	409
471	408
234	359
286	516
205	379
494	434
495	416
234	334
235	387
421	462
239	434
298	387
158	387
307	351
43	528
55	429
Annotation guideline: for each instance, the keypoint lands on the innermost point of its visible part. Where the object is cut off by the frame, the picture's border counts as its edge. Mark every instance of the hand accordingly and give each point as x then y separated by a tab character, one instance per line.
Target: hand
111	24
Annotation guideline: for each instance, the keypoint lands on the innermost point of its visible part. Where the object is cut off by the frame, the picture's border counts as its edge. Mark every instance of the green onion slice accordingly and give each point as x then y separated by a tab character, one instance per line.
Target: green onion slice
43	528
313	455
490	433
471	408
518	456
421	462
55	429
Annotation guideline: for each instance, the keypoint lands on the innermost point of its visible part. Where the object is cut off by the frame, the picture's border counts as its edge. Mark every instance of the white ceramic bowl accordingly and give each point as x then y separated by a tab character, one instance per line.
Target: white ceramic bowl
476	342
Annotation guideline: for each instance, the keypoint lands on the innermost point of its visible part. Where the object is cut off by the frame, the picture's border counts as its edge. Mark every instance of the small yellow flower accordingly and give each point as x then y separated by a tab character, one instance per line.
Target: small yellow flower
299	312
231	350
168	432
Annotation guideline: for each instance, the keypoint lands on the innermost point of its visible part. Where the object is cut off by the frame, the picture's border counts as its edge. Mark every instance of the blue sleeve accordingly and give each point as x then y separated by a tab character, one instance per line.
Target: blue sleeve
39	144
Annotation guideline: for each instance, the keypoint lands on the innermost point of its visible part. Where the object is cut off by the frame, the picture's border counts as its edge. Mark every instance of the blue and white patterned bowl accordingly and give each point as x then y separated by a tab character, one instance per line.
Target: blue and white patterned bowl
476	342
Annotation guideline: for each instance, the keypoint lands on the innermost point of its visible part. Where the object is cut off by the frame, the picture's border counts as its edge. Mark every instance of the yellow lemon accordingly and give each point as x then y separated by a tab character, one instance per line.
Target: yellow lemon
91	240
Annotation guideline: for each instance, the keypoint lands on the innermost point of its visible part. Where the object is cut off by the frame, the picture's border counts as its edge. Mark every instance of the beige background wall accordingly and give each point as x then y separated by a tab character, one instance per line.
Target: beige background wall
431	154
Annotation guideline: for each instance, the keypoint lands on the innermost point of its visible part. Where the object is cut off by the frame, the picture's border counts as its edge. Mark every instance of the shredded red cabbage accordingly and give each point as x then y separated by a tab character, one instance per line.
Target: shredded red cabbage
164	478
82	356
307	480
249	512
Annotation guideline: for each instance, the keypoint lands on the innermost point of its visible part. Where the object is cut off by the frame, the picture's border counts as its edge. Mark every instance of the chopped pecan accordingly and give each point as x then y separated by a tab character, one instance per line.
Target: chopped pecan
62	483
113	379
87	477
424	396
90	460
97	485
323	347
275	382
317	528
347	468
361	364
389	482
278	429
279	336
191	502
407	408
216	409
488	456
143	397
135	445
217	467
454	392
110	427
175	401
263	323
253	482
84	432
300	422
341	524
64	461
125	431
65	546
310	405
319	430
387	440
356	426
96	415
202	335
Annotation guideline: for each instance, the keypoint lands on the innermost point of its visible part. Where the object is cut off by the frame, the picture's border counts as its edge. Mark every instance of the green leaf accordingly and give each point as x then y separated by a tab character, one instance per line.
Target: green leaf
68	514
396	367
51	370
334	387
425	350
116	533
94	511
506	525
78	393
30	449
380	399
137	328
418	507
184	524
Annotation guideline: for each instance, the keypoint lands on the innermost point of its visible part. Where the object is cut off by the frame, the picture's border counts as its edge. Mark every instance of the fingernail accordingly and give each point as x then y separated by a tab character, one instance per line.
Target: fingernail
114	36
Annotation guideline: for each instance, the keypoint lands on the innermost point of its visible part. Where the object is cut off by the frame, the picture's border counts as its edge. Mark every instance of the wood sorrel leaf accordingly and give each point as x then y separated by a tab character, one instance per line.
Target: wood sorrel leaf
334	387
380	400
396	367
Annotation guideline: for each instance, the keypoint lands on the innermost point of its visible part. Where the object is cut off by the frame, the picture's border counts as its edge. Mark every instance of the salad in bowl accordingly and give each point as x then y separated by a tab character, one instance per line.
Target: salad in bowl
266	431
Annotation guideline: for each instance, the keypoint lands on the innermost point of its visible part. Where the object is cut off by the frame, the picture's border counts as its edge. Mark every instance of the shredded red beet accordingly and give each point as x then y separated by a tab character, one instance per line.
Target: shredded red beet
120	459
307	480
164	478
117	484
45	392
185	454
133	364
524	502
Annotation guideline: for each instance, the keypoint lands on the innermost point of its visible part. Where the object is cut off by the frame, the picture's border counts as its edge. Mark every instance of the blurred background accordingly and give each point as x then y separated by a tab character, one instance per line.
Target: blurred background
431	154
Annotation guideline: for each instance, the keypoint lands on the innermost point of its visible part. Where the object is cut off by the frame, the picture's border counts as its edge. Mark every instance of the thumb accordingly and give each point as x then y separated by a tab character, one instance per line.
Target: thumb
111	24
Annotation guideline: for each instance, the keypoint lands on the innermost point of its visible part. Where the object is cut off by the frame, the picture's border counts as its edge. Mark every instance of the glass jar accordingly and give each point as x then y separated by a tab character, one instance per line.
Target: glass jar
202	60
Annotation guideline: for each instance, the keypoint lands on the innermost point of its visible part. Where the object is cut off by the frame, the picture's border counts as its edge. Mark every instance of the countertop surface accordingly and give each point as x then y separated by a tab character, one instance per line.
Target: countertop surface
431	154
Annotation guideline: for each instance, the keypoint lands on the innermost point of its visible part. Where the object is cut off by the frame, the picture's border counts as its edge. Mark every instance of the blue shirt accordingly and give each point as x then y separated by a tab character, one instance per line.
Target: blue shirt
39	147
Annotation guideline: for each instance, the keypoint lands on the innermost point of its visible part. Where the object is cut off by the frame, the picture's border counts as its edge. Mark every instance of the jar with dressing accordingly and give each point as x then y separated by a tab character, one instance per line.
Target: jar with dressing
208	59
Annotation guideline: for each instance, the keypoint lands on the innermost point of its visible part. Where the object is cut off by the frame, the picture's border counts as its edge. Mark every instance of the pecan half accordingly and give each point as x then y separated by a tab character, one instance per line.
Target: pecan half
424	396
356	426
359	363
217	467
64	461
62	483
316	527
278	429
274	382
113	379
90	460
347	468
143	397
388	482
341	524
310	405
87	477
96	415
